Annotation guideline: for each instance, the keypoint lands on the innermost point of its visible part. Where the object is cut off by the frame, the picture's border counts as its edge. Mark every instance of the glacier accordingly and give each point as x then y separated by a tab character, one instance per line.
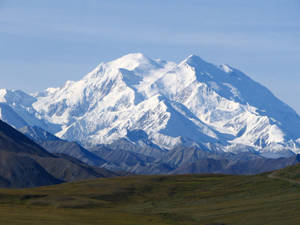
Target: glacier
164	104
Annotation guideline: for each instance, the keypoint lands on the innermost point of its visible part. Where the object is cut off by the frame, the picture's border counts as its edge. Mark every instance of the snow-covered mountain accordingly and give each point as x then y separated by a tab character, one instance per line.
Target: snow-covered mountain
163	104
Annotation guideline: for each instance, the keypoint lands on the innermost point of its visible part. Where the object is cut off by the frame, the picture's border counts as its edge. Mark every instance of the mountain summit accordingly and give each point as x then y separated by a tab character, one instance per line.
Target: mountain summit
193	103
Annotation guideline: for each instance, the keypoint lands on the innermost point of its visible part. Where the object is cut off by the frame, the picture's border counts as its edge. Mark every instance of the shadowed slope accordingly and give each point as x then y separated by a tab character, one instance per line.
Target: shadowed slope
23	163
56	145
13	141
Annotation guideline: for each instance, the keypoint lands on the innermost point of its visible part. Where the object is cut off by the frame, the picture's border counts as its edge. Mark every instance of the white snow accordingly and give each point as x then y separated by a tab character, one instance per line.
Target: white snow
193	101
226	68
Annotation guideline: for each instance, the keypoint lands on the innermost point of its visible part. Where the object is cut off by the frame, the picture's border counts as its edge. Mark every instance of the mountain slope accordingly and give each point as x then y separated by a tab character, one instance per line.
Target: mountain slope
15	142
23	163
8	115
18	170
133	162
192	103
235	166
56	145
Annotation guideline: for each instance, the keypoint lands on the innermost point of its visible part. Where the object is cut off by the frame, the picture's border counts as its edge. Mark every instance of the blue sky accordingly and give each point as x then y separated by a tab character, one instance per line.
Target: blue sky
45	43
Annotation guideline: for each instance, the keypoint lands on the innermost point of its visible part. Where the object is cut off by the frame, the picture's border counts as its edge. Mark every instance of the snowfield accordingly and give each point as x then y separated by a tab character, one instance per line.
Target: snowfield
192	103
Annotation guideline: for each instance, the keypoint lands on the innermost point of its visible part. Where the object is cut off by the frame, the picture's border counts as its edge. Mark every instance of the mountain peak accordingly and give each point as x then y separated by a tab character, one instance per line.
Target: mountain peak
132	61
193	60
135	55
200	103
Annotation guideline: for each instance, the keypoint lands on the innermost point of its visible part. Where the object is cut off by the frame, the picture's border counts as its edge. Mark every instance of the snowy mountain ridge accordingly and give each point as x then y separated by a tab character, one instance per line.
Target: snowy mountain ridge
193	103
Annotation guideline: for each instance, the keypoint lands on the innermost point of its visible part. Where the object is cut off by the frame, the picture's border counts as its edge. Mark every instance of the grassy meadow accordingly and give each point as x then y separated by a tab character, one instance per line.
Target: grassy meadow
157	200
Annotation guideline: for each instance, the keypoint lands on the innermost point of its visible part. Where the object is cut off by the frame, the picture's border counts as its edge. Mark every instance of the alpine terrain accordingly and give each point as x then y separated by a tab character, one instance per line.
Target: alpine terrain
23	163
152	106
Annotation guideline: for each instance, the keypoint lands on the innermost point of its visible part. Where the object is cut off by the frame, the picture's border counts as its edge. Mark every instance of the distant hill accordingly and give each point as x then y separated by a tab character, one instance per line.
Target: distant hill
23	163
242	163
56	145
124	156
291	173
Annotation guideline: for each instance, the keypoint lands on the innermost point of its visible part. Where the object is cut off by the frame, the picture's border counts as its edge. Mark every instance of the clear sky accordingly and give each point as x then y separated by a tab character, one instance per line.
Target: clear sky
44	43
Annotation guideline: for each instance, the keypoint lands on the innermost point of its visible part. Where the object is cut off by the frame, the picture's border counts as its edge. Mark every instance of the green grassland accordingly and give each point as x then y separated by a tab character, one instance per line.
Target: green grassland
157	200
290	173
